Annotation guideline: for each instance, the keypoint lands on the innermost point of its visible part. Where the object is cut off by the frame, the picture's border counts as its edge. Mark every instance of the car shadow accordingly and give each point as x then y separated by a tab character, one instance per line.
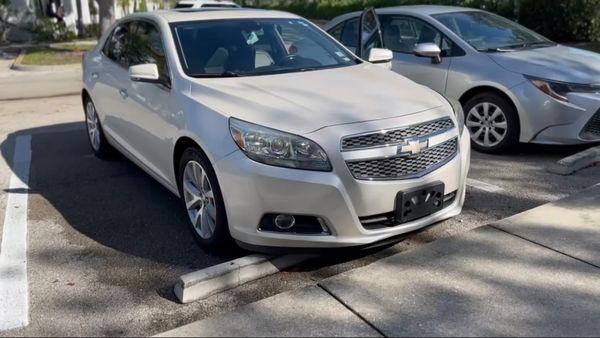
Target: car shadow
110	202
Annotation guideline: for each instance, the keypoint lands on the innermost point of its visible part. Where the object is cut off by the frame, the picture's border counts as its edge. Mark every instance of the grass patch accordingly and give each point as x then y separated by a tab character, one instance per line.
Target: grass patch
63	55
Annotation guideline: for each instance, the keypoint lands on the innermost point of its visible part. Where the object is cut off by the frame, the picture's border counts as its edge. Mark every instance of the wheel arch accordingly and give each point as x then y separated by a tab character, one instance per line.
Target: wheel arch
471	93
181	145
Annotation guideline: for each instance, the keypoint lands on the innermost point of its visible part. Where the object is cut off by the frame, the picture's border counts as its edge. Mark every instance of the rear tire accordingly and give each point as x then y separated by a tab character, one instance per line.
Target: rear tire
493	123
202	200
100	146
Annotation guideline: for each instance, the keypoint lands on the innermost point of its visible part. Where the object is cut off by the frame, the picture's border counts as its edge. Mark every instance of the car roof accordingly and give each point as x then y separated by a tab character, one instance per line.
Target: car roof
424	9
212	14
208	2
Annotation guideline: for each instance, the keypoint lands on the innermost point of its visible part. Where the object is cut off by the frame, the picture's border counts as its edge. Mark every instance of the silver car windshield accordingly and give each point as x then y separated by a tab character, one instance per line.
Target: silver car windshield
249	47
489	32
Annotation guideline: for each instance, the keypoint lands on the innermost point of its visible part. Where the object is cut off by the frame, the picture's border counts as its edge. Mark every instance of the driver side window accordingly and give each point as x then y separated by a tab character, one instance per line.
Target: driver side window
402	33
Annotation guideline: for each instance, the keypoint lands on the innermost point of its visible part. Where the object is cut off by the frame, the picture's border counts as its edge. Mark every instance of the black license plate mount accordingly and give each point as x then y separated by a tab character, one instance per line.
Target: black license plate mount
419	202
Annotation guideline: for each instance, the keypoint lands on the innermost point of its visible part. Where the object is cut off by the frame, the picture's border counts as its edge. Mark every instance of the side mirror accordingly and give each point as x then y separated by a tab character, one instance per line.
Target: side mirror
144	73
429	50
381	56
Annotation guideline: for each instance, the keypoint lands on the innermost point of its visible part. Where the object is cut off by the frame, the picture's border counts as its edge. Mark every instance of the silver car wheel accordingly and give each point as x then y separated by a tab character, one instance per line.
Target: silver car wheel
92	125
199	199
487	124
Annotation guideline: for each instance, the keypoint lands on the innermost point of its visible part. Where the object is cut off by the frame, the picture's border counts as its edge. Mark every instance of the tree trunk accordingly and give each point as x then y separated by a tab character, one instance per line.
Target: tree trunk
106	11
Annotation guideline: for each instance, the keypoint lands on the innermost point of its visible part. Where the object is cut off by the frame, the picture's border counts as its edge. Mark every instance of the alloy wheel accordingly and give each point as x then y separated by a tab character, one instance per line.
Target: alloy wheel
199	199
487	124
92	125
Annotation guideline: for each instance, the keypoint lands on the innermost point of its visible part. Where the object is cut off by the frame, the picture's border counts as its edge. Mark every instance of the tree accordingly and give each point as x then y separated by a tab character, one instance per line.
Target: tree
143	6
106	11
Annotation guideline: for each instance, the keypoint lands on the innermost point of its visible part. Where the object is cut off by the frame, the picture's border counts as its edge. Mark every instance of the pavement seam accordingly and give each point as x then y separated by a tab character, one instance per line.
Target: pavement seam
339	300
543	245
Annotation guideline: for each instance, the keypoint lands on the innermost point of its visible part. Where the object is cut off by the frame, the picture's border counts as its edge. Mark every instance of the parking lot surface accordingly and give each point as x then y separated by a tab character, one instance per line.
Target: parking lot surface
106	242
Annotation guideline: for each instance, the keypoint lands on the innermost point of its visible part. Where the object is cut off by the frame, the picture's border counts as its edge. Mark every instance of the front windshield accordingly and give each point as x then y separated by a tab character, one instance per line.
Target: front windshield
489	32
245	47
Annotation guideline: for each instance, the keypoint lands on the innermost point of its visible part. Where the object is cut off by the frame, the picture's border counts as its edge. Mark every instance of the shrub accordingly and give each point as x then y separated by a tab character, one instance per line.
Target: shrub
565	20
47	29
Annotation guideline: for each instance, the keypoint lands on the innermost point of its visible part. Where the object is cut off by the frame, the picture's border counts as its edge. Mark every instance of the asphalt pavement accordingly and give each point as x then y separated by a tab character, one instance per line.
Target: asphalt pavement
106	242
496	280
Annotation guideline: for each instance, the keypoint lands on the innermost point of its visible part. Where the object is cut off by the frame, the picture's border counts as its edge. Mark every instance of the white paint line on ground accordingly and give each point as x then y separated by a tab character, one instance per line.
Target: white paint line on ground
483	186
221	277
14	302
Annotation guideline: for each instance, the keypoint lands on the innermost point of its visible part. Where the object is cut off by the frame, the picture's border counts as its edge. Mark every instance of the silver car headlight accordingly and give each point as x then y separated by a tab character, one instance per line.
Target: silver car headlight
277	148
559	90
458	112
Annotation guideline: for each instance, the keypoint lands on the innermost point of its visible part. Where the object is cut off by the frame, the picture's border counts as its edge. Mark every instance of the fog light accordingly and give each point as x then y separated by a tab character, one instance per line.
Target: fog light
285	222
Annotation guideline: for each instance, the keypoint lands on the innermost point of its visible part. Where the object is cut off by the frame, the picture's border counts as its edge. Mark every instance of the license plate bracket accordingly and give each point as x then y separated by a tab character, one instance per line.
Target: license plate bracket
419	202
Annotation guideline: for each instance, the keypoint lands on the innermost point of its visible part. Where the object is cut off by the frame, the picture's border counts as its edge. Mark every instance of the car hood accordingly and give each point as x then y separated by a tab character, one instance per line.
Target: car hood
559	63
303	102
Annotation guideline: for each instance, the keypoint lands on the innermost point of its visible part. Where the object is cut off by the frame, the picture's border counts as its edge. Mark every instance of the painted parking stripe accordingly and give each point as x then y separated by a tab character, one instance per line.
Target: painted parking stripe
483	185
14	296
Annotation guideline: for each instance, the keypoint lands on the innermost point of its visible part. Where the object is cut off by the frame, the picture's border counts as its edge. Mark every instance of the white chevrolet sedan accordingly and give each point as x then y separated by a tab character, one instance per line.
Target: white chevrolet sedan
271	132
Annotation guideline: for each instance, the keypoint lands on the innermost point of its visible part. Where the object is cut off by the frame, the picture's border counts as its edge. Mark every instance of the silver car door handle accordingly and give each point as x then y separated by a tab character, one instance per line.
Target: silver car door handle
95	75
123	93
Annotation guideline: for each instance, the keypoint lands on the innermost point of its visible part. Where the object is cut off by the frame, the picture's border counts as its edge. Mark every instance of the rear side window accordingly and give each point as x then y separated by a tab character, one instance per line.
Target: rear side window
349	35
146	47
115	47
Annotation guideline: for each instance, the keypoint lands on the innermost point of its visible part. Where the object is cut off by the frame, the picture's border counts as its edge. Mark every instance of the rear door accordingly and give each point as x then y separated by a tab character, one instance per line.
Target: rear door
111	81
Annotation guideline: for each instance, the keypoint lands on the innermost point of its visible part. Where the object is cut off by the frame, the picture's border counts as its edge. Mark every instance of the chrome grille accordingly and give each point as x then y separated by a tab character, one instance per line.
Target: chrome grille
405	166
394	136
592	128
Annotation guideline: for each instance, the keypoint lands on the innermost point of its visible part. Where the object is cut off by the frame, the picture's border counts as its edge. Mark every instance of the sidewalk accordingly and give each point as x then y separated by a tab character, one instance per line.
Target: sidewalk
535	274
16	85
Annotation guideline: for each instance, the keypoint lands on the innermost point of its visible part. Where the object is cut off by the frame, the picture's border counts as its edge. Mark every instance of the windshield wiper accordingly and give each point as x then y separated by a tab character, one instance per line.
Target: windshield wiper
511	48
226	73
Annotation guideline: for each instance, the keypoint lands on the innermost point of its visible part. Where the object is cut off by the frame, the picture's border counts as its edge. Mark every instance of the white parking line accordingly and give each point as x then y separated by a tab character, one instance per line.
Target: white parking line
483	186
14	304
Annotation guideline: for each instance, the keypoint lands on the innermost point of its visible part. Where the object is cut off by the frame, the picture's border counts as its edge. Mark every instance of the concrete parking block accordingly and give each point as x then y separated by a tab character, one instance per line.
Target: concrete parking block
570	225
483	283
302	313
576	162
206	282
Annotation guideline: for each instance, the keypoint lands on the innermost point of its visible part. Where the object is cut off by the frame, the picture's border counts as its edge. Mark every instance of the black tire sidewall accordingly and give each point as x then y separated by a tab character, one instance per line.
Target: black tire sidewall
221	236
512	119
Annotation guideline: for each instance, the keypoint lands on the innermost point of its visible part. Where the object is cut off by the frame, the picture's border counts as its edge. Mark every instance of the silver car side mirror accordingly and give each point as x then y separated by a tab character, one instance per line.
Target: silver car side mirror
430	50
144	73
381	57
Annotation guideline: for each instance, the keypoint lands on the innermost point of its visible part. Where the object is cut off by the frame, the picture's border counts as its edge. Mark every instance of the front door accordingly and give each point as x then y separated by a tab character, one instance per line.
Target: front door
401	34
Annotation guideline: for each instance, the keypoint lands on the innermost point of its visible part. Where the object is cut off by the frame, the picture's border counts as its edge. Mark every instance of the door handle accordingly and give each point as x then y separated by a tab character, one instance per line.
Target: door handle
95	75
123	93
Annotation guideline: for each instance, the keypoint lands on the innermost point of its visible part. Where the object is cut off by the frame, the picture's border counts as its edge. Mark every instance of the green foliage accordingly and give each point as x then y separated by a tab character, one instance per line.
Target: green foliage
560	20
47	29
143	6
328	9
564	20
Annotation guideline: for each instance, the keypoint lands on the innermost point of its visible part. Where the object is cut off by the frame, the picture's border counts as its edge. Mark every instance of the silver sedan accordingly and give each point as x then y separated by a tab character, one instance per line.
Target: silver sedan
514	85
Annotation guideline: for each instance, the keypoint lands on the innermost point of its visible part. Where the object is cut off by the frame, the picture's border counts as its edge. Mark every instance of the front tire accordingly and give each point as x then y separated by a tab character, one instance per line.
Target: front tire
102	149
493	123
202	199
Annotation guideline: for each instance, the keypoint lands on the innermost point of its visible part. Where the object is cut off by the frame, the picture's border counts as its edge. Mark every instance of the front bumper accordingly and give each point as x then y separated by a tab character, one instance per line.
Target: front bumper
251	190
549	121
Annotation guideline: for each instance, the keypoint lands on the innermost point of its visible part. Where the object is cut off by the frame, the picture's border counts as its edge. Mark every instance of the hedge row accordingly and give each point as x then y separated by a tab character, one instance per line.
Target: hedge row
561	20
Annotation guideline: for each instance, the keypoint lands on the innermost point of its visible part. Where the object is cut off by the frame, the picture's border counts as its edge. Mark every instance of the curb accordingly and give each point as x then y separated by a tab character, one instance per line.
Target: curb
576	162
203	283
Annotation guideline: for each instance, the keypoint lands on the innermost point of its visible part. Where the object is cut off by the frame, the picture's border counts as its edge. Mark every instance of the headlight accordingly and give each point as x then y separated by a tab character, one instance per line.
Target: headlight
559	90
277	148
458	111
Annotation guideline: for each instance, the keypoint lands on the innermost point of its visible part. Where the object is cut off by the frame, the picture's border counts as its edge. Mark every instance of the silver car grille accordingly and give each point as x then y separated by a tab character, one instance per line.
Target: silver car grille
591	130
395	136
403	167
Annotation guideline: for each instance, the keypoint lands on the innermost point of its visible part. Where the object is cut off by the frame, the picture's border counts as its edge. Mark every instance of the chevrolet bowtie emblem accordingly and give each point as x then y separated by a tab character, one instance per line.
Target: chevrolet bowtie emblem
413	147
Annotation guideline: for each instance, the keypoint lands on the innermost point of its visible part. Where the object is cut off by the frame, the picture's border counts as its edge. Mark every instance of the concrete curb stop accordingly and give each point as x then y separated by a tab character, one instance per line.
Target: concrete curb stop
573	163
206	282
